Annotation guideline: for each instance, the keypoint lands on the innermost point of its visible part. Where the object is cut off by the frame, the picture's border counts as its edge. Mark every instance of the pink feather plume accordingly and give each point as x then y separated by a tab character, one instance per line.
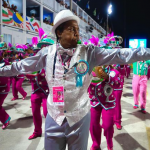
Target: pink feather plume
41	33
21	46
25	46
106	40
112	34
30	45
9	45
34	40
85	43
94	40
108	37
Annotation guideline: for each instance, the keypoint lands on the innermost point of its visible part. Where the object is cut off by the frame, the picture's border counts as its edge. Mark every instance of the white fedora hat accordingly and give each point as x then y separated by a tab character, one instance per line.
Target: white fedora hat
63	16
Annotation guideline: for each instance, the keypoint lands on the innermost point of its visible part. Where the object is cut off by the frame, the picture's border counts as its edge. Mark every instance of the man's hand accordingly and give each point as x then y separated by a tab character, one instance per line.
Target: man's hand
101	73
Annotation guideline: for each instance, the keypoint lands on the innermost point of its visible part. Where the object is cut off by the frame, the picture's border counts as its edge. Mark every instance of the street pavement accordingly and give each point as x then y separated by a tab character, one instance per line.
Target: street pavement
135	134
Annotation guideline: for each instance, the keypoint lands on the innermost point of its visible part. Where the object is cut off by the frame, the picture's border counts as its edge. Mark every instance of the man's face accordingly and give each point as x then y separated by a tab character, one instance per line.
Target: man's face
17	56
70	35
30	51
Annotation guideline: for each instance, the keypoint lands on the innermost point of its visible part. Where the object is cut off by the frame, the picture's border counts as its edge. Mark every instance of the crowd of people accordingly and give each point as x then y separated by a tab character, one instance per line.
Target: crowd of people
7	5
48	21
62	3
10	54
73	83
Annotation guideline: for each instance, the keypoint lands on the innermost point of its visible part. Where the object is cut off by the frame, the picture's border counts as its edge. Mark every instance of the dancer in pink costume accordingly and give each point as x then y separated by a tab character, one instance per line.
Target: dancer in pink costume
18	80
148	73
139	84
4	90
128	70
40	89
38	96
103	102
17	87
118	93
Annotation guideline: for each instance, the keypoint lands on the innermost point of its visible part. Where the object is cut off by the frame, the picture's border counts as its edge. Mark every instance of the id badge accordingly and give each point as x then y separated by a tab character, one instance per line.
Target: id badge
58	95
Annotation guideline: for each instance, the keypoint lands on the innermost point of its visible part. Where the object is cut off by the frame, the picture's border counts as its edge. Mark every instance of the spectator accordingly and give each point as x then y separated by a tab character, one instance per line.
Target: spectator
33	16
4	4
75	13
51	24
5	45
66	6
8	4
21	15
58	1
45	20
62	2
15	9
12	7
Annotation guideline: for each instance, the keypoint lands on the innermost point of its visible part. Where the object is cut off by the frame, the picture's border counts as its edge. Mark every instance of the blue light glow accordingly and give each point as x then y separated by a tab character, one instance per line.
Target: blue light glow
135	43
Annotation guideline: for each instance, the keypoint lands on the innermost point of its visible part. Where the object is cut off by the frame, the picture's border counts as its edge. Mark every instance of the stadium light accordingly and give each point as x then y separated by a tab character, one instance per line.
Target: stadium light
110	9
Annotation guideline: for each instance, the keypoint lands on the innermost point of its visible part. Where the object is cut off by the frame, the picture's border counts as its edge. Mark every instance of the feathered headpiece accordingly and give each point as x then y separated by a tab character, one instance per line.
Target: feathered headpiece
30	45
21	46
106	39
20	49
85	43
25	46
42	34
34	41
94	40
9	45
111	41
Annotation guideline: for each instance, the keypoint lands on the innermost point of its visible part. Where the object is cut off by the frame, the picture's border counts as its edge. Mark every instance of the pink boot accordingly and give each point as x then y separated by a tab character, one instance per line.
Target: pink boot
33	136
118	126
110	148
24	97
13	99
95	149
143	111
5	125
135	106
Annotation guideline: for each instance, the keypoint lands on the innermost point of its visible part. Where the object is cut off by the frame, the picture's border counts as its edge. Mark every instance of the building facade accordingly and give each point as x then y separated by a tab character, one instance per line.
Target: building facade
20	24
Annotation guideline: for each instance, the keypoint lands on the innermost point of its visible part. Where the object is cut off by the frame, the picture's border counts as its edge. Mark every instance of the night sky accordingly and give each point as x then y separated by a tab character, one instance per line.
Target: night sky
129	19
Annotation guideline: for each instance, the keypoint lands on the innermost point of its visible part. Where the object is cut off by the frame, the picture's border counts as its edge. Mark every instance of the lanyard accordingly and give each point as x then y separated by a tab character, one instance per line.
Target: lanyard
54	64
